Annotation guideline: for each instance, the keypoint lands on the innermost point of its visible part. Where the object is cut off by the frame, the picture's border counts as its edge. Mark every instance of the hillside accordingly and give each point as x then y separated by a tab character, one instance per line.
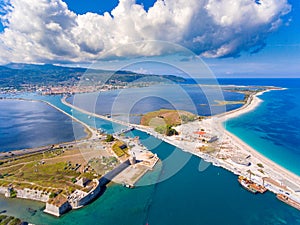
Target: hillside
20	75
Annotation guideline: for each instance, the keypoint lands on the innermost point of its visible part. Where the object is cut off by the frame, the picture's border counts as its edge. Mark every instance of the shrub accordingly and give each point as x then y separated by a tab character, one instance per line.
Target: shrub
171	131
160	129
260	165
13	194
52	195
109	138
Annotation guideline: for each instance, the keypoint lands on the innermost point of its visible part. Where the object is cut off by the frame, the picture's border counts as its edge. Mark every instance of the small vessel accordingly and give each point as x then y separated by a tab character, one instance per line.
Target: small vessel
251	186
128	185
245	184
288	201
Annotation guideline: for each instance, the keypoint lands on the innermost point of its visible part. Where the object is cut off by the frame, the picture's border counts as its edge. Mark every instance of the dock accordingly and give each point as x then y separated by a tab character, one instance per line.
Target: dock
251	186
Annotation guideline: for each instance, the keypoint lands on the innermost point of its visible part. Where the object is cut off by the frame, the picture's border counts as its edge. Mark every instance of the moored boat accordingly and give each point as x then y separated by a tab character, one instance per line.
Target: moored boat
246	185
288	201
251	186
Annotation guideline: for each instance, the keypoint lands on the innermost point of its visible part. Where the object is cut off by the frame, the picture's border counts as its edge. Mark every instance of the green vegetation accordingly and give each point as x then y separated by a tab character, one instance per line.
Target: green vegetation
109	138
89	176
163	120
9	220
13	194
38	176
15	221
161	129
21	75
260	165
118	150
171	131
187	118
103	164
165	117
54	170
167	130
52	195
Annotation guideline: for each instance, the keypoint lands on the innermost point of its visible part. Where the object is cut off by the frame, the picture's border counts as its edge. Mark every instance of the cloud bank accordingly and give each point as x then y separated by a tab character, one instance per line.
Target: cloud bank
47	31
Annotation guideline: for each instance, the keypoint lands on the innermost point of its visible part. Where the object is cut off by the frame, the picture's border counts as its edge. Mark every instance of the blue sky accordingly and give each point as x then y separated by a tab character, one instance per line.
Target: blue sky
100	6
278	55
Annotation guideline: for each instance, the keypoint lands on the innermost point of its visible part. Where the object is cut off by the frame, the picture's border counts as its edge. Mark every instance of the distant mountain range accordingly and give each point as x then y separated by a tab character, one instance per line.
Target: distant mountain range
20	75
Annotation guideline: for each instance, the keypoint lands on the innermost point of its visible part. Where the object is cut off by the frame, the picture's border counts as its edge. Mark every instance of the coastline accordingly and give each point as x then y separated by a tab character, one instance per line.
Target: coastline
278	179
90	133
78	197
254	102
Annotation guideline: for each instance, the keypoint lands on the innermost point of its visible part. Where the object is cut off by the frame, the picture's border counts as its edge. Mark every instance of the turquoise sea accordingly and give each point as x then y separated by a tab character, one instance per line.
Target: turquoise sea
210	197
274	127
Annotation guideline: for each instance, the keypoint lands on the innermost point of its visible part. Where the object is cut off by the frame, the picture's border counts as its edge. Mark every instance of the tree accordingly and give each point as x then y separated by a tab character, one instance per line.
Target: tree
109	138
171	131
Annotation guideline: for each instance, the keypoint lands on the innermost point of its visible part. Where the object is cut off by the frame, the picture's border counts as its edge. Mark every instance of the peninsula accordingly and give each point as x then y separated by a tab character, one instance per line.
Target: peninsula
83	169
208	139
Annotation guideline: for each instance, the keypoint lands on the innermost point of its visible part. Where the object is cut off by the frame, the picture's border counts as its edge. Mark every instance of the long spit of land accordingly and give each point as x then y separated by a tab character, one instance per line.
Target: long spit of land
208	139
227	150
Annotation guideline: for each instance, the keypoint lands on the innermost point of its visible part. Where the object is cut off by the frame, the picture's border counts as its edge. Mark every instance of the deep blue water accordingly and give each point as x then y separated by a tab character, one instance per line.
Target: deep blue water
210	197
25	124
192	98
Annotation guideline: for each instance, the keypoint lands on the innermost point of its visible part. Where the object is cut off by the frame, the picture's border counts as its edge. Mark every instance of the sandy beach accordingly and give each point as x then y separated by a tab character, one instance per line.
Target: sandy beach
231	152
231	149
276	178
252	103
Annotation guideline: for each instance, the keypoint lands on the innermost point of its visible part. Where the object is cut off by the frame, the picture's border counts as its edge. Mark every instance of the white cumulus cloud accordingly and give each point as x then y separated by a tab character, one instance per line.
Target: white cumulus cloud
47	31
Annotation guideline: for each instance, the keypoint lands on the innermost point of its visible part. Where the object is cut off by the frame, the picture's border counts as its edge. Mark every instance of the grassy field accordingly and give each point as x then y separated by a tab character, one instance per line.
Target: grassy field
9	220
166	117
55	170
118	151
103	164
